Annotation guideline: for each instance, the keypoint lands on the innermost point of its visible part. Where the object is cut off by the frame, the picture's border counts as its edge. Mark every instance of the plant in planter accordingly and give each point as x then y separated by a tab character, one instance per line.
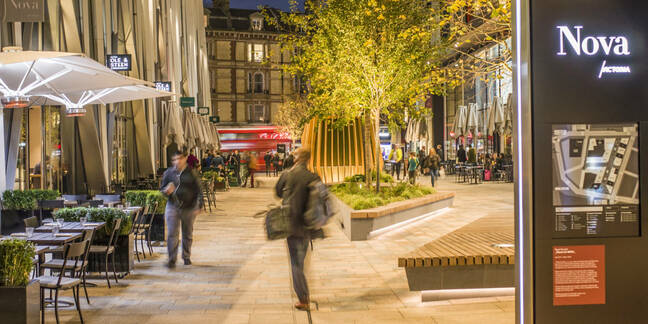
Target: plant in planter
19	298
17	205
124	252
146	197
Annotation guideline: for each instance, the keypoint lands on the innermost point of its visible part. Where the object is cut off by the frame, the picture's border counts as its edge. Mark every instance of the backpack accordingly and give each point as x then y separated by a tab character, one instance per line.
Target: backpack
318	209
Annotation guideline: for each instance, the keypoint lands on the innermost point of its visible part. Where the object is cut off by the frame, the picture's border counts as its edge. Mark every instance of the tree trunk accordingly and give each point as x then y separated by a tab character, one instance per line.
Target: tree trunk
367	148
376	129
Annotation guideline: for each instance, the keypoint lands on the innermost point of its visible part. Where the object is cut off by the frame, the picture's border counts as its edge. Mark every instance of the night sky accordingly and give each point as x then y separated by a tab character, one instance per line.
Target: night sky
253	4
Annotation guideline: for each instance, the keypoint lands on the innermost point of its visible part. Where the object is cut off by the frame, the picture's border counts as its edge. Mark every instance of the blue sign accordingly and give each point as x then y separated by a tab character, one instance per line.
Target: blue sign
163	86
119	62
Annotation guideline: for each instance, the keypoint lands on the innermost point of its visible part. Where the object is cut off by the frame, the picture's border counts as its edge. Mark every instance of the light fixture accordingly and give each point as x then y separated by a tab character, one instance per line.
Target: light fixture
74	111
15	101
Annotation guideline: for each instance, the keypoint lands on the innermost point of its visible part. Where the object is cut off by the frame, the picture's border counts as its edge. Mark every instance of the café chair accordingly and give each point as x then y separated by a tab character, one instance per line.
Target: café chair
109	250
79	267
72	256
31	222
49	205
143	232
137	222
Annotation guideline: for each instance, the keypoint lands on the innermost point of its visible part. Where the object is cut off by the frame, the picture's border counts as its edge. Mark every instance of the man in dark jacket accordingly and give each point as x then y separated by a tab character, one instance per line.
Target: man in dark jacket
182	186
293	185
267	158
461	155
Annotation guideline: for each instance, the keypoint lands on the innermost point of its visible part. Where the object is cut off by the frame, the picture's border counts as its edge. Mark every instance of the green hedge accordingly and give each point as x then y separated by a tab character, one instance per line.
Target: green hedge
146	197
26	199
360	197
107	215
16	262
384	178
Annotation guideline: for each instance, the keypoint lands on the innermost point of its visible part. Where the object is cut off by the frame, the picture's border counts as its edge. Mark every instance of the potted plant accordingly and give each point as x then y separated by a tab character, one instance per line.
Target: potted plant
124	256
19	297
20	204
148	197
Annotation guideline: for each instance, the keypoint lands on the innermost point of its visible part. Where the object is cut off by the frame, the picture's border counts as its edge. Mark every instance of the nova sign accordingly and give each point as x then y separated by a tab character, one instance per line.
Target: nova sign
594	45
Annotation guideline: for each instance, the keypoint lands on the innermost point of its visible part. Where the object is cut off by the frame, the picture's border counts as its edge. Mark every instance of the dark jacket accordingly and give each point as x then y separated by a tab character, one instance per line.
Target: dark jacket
295	181
188	193
461	155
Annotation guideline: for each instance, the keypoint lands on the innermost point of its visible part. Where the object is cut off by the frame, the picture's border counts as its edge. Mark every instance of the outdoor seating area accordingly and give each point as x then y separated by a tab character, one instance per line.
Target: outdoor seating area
80	239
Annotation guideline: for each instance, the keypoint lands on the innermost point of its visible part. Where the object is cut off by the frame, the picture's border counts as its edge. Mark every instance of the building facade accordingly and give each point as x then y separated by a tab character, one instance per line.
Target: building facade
111	145
248	84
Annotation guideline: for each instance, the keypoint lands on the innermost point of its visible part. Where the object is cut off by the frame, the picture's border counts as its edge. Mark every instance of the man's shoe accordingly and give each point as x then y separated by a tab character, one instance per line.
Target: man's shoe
187	261
171	264
302	306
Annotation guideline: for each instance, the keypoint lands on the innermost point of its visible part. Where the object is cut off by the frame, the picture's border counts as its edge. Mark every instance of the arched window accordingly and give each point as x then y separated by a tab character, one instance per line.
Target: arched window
259	84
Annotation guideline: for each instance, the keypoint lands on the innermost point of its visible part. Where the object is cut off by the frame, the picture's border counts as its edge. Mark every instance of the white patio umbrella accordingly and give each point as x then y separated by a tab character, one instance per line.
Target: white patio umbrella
491	116
472	120
460	121
173	130
108	95
24	74
508	114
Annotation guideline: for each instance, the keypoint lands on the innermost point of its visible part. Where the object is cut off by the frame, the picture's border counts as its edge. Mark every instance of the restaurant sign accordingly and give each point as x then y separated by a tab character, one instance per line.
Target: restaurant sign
163	86
119	62
187	101
23	10
203	111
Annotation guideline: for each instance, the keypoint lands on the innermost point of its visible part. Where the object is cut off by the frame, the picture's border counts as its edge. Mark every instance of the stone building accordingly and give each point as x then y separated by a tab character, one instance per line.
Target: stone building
247	82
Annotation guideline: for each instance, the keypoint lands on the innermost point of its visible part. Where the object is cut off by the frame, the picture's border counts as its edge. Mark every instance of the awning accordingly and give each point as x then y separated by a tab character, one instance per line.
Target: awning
472	120
460	121
36	73
108	95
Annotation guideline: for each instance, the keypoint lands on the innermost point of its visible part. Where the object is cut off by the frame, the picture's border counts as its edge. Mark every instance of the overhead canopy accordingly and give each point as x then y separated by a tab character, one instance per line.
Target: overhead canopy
108	95
36	73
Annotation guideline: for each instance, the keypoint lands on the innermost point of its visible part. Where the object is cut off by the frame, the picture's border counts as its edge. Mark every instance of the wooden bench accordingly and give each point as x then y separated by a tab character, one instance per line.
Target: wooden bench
470	257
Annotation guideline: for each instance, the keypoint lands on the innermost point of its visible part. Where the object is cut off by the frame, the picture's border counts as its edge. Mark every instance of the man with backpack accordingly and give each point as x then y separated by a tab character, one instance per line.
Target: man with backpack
296	188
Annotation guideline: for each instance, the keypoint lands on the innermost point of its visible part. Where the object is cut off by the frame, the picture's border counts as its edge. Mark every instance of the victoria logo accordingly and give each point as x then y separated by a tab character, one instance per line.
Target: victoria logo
572	41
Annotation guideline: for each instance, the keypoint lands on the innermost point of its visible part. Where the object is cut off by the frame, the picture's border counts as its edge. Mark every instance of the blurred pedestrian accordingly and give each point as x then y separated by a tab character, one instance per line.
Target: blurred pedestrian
182	187
434	163
412	164
267	158
293	187
252	167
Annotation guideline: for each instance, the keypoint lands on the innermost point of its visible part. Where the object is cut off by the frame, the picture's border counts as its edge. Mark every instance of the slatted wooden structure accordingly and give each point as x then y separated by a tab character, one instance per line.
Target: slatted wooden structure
337	152
478	255
464	249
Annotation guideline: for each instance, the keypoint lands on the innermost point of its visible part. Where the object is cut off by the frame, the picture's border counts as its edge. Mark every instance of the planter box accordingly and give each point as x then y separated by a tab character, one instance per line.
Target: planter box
357	224
20	305
158	228
124	257
13	220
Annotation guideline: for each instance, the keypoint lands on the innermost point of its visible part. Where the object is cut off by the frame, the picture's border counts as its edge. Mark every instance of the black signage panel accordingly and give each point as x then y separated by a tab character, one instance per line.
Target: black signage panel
23	10
163	86
118	62
589	117
281	148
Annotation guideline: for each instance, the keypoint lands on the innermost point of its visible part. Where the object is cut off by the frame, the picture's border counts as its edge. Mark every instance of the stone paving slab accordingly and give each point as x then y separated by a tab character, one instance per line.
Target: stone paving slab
240	277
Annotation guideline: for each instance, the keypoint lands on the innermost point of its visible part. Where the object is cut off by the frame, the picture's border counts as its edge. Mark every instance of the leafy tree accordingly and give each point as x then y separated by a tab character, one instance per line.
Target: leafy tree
364	59
293	114
469	25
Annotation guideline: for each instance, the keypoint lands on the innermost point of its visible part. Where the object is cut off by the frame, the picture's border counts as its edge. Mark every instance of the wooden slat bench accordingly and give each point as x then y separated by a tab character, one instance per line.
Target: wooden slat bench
463	259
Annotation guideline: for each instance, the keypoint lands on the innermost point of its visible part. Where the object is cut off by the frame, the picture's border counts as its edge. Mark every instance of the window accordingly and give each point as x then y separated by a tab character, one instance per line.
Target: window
258	83
257	113
256	52
257	23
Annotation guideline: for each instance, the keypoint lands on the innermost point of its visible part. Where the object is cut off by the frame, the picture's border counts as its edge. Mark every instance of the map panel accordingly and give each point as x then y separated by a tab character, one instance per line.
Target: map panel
595	165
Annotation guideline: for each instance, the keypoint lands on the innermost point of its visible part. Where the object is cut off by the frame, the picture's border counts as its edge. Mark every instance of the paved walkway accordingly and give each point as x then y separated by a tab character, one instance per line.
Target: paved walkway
239	277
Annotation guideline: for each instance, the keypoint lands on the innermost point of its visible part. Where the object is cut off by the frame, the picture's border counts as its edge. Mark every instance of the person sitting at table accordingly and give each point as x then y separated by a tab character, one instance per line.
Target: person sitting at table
461	155
472	155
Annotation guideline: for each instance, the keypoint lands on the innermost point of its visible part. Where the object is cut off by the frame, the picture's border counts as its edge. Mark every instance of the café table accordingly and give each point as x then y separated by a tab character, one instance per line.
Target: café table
47	238
71	227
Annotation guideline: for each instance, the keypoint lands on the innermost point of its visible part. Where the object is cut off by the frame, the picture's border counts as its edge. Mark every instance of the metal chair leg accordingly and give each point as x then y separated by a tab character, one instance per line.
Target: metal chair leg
56	305
107	278
78	304
114	267
142	244
136	251
85	290
42	305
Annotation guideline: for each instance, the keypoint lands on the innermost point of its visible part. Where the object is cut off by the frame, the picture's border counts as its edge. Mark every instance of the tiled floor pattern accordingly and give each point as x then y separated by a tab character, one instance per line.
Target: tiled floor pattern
240	277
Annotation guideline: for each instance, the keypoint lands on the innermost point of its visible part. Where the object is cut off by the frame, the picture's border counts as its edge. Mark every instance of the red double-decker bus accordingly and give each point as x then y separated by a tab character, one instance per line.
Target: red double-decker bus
253	139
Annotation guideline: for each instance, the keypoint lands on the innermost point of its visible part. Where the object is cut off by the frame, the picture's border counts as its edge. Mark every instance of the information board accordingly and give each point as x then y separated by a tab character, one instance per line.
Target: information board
578	275
595	180
119	62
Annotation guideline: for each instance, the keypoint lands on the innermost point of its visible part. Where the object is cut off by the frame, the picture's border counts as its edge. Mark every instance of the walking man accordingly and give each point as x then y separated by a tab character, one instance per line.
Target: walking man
293	185
267	158
396	156
181	185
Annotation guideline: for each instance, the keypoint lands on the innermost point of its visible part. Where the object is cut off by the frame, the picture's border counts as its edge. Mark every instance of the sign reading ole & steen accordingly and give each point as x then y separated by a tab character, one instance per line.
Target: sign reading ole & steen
23	10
